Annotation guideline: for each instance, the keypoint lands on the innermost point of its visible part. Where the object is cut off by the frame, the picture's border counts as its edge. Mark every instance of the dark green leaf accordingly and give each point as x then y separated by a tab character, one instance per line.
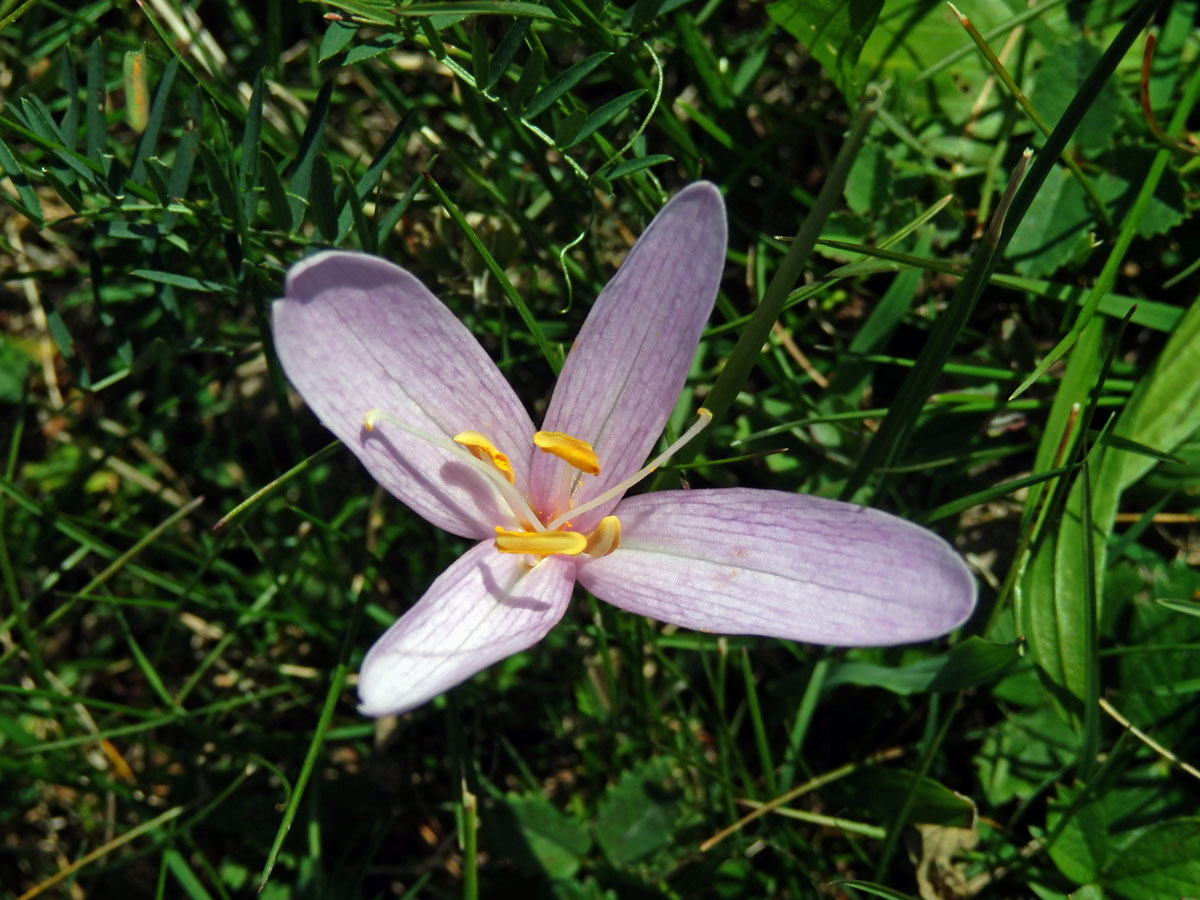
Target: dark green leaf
278	204
354	208
369	49
602	115
968	664
880	792
96	134
629	166
558	842
335	39
461	10
221	183
509	45
321	199
310	145
186	282
148	143
16	174
530	76
563	83
375	170
480	59
568	128
185	153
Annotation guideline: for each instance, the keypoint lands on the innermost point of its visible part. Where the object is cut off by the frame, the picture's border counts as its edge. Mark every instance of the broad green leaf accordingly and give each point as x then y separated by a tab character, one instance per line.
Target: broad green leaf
372	47
833	31
1055	230
1023	751
335	39
1119	187
1162	861
1050	604
879	792
1157	678
637	816
1164	410
557	841
868	189
1058	79
969	664
1080	847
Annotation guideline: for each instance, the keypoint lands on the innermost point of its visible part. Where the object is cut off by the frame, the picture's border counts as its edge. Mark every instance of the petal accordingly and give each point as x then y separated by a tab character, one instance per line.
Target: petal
356	333
628	365
744	561
486	606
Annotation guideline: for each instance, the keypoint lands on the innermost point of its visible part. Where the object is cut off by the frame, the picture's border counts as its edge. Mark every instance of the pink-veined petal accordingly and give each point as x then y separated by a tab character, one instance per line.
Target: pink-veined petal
486	606
743	561
357	333
625	370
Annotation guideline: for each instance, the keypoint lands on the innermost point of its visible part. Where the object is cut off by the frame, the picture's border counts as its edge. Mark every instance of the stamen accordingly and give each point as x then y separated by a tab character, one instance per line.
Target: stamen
605	537
541	543
517	504
572	450
616	490
485	451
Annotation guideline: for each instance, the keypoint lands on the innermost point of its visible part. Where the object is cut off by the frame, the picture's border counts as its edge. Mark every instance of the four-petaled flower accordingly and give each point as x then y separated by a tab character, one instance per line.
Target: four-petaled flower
391	371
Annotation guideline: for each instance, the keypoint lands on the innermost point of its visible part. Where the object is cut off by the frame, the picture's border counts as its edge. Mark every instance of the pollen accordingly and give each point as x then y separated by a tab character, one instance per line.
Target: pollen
483	449
571	450
541	543
605	537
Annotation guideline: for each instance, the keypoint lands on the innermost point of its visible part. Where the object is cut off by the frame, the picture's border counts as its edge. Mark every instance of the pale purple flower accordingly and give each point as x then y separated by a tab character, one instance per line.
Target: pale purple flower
391	371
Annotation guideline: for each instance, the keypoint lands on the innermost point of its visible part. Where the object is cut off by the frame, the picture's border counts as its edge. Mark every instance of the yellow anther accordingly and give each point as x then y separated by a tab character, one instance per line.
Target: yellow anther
483	449
541	543
569	449
605	537
370	418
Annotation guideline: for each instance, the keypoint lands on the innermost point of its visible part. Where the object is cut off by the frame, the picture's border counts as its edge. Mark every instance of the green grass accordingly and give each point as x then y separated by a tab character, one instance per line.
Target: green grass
176	701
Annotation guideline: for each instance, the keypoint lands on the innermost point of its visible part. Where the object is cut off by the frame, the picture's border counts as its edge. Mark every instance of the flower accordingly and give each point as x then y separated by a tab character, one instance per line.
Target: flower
402	382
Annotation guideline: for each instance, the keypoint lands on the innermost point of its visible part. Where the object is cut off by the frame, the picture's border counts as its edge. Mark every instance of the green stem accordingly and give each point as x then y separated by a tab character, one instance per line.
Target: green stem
553	357
745	353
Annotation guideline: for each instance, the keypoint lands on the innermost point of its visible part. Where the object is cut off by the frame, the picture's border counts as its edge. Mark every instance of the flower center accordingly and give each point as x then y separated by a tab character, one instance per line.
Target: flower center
553	538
